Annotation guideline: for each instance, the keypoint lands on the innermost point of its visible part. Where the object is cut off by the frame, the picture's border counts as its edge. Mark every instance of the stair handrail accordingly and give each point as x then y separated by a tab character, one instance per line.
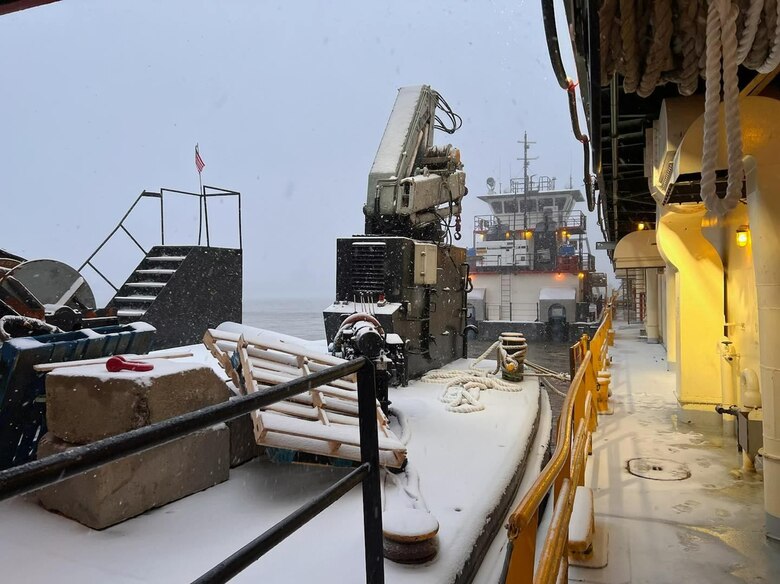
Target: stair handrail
203	220
120	225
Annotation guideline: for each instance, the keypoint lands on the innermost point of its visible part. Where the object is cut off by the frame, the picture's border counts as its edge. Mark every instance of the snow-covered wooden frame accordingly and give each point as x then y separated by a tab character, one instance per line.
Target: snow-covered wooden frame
322	421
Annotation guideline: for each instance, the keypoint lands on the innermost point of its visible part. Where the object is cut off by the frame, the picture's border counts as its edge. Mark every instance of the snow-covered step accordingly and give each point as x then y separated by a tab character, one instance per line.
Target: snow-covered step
129	313
581	523
167	258
161	271
146	284
138	298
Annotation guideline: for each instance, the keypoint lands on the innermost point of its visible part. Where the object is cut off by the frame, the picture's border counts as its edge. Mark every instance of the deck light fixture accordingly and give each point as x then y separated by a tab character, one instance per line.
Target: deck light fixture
641	226
507	235
743	235
581	275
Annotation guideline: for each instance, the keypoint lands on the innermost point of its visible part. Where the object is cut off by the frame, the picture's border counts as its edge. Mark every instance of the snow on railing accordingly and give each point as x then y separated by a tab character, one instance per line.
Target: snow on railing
564	472
74	461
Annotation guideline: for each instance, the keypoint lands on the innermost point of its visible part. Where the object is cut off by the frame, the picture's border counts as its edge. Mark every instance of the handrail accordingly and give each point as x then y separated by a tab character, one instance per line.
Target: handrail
522	220
528	507
564	471
203	197
61	466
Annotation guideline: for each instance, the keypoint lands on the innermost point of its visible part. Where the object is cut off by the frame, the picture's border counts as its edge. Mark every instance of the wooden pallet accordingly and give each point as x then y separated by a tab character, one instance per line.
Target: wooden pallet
322	421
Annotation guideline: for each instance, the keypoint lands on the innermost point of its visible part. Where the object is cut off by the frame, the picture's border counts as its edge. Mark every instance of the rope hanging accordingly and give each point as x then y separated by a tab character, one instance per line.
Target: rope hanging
722	47
655	42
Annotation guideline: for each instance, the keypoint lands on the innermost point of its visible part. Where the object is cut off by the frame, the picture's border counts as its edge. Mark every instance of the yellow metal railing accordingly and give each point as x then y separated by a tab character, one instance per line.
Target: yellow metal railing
563	473
599	347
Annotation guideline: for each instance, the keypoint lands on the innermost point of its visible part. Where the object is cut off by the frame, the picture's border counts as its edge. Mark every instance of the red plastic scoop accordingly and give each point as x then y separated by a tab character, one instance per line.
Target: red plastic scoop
119	363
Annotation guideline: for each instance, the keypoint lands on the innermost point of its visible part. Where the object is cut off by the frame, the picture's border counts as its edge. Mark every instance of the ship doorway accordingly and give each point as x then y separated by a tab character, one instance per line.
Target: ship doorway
556	323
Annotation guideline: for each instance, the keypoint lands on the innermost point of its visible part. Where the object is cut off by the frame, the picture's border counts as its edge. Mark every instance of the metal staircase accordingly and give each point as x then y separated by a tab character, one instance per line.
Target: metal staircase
147	281
181	290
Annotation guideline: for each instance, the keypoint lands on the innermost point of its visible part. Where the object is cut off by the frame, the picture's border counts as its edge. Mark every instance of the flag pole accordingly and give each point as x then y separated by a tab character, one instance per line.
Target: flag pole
200	197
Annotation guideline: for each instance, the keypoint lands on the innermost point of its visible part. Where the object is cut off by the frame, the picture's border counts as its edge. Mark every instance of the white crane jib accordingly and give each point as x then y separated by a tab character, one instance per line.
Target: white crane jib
413	185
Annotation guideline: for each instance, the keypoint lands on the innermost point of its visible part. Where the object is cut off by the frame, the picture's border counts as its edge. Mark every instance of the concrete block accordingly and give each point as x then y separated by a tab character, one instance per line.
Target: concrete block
87	403
130	486
243	446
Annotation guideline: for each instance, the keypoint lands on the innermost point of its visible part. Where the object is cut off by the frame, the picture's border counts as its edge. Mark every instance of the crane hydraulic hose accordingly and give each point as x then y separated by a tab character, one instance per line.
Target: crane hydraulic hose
550	31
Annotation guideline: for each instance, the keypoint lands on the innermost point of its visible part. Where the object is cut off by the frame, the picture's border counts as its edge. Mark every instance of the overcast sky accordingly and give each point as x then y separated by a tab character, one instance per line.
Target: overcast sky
288	101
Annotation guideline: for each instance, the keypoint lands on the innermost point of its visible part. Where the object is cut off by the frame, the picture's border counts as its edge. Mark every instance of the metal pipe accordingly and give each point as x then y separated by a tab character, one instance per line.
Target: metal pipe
613	131
551	34
58	467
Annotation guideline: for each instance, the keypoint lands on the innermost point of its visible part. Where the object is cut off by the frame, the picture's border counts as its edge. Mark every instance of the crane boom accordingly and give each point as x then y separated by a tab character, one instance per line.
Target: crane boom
413	185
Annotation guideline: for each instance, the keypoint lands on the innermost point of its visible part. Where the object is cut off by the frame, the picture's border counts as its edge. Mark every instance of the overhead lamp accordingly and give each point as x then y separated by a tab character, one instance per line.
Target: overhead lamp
581	275
743	235
528	234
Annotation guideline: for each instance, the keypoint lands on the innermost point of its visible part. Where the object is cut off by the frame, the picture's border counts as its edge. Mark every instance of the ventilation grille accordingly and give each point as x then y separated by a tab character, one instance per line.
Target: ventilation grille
368	267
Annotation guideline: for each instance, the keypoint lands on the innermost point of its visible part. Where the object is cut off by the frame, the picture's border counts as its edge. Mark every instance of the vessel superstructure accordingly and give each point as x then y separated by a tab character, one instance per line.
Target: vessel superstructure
531	260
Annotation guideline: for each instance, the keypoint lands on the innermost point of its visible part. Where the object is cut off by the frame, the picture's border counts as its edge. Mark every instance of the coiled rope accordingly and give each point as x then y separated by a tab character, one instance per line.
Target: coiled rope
12	326
680	41
462	390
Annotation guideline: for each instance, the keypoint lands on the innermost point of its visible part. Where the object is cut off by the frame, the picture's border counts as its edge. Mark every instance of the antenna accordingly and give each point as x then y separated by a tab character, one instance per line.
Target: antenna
526	185
525	159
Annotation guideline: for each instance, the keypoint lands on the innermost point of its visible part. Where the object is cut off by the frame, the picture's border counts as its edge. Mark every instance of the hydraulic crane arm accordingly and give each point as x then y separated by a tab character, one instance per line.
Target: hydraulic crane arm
414	185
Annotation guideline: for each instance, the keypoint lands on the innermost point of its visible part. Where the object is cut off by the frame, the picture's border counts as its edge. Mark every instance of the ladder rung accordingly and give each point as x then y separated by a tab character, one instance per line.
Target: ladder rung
130	312
146	284
156	271
138	298
167	258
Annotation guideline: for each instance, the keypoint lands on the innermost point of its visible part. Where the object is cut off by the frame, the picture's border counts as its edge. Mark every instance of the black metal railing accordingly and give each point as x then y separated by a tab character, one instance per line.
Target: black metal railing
522	260
519	220
206	193
58	467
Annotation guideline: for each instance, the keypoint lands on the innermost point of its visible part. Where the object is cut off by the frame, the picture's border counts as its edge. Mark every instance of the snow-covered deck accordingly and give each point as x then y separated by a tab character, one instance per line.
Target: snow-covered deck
707	528
464	461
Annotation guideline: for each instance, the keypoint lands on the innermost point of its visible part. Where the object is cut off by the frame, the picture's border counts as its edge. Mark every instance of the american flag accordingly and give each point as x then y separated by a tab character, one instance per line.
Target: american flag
199	164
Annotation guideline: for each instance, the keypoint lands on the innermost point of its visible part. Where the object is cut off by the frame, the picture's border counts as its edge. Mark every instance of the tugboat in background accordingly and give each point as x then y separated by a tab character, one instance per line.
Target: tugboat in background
530	262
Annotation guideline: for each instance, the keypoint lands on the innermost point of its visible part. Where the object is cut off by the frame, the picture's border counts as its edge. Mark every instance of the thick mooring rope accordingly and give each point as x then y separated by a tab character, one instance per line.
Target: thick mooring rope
722	46
678	41
463	386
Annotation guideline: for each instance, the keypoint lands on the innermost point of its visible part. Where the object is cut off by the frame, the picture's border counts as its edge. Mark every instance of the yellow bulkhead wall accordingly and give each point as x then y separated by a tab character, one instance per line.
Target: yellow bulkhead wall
752	273
741	303
696	305
702	248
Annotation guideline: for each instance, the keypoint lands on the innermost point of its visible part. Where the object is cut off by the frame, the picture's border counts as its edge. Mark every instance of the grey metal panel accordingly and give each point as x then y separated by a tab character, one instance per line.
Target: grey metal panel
206	290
